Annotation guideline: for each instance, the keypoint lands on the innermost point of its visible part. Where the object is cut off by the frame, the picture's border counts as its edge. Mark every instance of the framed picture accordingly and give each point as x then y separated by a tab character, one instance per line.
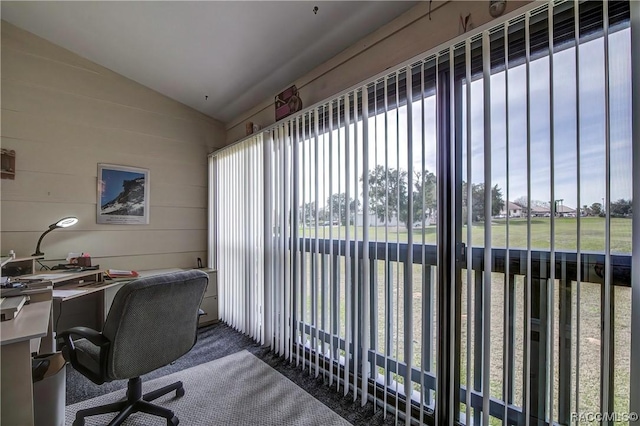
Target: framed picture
123	195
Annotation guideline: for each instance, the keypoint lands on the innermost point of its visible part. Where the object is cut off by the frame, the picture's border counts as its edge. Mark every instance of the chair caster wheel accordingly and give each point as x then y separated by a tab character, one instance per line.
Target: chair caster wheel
79	422
173	422
179	393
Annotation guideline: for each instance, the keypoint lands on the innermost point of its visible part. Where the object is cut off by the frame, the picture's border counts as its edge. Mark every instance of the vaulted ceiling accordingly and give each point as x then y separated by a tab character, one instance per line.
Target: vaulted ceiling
219	57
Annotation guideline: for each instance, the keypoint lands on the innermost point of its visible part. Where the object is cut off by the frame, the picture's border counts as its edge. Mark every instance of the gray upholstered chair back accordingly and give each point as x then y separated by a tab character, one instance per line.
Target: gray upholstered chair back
153	321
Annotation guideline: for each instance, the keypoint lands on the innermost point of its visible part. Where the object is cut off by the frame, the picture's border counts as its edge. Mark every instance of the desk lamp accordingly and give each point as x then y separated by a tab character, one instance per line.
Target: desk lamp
62	223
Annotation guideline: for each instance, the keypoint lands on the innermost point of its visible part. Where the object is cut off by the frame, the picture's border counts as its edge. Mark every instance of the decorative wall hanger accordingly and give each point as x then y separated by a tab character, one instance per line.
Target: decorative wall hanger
497	7
287	103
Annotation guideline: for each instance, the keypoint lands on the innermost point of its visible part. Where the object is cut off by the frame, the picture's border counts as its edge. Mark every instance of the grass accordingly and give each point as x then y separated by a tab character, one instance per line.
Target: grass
592	233
588	341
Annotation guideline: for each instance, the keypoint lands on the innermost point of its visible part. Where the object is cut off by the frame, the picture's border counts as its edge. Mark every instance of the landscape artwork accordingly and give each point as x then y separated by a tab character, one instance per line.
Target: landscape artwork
123	195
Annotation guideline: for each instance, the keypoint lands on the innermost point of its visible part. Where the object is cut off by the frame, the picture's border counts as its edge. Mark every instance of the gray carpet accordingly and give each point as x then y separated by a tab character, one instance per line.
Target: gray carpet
219	340
238	389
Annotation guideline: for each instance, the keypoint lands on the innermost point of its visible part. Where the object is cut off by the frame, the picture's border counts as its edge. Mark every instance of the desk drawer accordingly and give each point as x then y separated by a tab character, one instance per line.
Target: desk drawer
210	306
212	288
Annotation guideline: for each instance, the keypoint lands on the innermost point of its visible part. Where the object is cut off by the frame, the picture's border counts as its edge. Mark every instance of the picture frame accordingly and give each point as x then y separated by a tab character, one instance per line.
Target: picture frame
123	195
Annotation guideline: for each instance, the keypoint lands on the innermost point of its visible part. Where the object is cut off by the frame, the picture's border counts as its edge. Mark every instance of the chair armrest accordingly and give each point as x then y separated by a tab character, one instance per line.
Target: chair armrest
95	338
90	334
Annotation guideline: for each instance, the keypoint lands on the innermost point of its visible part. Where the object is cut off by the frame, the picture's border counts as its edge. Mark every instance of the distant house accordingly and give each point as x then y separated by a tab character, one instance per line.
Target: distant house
540	211
564	211
536	211
513	210
544	211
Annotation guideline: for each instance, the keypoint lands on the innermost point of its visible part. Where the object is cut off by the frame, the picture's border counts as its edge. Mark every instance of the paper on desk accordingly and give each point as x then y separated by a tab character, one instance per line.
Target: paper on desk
61	294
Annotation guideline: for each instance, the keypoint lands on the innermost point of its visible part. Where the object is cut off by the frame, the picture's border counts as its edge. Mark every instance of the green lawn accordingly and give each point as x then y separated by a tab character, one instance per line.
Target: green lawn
588	341
592	233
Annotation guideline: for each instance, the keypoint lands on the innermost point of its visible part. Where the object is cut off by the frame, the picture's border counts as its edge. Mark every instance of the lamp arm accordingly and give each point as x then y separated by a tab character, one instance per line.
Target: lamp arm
38	252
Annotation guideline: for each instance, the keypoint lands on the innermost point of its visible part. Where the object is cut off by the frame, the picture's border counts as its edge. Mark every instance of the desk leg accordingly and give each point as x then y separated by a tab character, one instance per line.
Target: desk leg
47	345
16	388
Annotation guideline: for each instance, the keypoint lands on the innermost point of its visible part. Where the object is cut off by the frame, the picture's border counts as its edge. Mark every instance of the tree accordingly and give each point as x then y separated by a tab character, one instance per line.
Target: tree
308	212
586	211
388	194
620	208
426	188
477	201
596	209
338	204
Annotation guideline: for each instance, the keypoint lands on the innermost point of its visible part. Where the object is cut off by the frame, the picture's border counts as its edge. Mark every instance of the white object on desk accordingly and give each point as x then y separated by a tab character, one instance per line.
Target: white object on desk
10	307
63	294
49	277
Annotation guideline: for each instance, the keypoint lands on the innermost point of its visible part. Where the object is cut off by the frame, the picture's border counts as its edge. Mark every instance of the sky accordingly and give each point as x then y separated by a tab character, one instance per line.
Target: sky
565	128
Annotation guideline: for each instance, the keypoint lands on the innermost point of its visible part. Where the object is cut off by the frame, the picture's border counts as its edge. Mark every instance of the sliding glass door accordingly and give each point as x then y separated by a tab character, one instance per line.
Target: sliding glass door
544	291
452	239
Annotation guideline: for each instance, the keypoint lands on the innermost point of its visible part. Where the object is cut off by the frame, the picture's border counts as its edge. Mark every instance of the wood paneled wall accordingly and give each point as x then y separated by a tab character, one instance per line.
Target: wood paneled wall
63	115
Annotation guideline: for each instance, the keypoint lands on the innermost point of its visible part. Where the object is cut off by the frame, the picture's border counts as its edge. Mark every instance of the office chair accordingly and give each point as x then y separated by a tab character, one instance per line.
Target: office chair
152	322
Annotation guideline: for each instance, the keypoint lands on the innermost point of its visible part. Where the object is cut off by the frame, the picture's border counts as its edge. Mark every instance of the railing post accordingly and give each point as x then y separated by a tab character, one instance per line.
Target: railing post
538	349
478	315
427	325
335	313
324	276
511	335
388	288
564	350
358	325
373	315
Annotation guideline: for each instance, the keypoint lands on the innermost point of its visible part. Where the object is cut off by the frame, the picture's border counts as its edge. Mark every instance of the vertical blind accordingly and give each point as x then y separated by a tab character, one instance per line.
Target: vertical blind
237	206
451	240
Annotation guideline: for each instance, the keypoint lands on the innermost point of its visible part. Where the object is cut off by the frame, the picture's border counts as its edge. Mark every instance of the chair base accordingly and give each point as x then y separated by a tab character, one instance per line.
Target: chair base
135	402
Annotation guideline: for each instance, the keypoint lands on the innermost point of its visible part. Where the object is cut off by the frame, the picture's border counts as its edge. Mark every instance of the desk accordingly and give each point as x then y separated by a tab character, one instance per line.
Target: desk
82	294
32	322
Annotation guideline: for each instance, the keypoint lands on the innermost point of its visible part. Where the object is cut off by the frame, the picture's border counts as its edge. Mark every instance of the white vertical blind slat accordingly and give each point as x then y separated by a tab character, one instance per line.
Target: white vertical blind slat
576	29
367	371
316	257
469	195
398	267
634	399
348	255
333	307
387	272
506	377
357	320
408	278
425	312
551	283
607	300
527	326
487	280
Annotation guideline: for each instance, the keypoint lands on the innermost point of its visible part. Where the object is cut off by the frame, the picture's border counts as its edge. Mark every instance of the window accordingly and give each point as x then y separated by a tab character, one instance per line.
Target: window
454	238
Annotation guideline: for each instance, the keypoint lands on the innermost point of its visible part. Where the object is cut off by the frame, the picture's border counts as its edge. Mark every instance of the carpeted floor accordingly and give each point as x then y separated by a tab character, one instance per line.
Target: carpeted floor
219	340
236	389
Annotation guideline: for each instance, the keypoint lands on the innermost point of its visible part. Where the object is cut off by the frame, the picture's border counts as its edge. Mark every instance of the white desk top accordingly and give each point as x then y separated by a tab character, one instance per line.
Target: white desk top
60	276
31	322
